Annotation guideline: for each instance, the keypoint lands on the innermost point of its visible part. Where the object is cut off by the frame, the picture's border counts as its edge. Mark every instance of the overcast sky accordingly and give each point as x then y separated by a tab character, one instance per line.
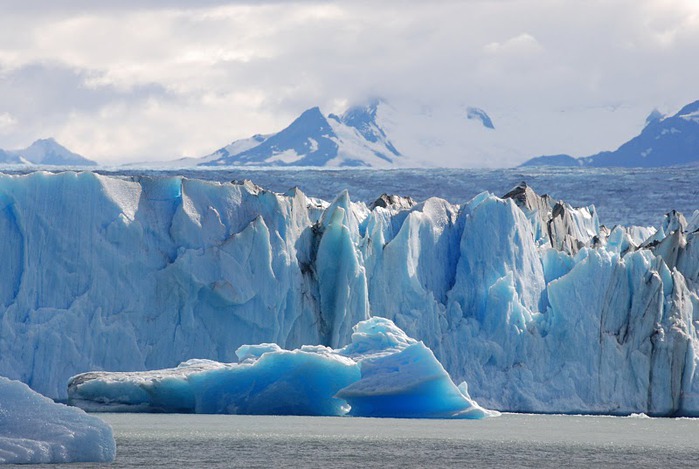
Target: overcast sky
125	82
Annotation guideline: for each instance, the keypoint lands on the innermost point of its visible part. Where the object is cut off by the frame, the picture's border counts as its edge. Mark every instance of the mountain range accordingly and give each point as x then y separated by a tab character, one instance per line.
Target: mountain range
379	134
664	141
375	134
46	152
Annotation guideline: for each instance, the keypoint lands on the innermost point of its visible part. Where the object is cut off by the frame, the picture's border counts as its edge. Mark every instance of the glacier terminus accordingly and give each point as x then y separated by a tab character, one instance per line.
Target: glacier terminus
532	302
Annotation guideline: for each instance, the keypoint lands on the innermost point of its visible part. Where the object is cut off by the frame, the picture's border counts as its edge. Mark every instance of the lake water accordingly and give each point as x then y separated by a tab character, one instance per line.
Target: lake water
638	196
512	440
627	196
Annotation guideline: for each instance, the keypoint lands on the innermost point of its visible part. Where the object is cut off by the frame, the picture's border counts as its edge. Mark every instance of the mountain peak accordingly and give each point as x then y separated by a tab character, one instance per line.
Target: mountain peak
49	151
46	151
310	119
46	141
47	144
311	113
654	116
353	139
363	119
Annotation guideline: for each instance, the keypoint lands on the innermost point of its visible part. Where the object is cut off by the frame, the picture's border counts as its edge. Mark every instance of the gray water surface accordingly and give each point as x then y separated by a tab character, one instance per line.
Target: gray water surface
628	196
512	440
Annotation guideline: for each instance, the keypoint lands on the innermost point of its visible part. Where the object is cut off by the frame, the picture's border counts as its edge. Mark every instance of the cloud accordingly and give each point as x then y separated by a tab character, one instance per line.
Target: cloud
523	44
7	121
43	99
123	81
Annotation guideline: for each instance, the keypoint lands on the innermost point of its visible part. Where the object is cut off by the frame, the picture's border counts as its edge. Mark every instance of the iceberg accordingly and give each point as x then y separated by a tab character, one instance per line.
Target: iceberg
381	373
410	383
533	302
35	430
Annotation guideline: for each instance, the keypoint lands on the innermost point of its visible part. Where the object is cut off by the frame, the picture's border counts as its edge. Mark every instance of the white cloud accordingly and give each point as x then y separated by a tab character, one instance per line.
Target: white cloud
7	121
120	81
522	44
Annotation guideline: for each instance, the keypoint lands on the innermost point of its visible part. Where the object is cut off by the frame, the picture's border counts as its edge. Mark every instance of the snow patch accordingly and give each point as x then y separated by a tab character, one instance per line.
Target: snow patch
287	157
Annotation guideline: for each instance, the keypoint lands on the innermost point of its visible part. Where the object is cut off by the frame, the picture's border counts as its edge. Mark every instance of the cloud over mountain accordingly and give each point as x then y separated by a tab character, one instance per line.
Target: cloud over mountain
167	79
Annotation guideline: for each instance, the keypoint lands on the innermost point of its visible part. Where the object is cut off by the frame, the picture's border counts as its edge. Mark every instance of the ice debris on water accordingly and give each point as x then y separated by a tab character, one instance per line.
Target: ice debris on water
35	430
381	373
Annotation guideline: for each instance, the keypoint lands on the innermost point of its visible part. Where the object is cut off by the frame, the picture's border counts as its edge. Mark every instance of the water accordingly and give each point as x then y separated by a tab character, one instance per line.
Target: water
627	196
512	440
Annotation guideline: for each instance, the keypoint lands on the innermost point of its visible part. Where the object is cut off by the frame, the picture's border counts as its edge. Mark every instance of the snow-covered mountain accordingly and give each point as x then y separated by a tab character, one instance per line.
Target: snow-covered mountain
407	132
8	157
313	139
378	134
44	152
532	302
452	134
664	141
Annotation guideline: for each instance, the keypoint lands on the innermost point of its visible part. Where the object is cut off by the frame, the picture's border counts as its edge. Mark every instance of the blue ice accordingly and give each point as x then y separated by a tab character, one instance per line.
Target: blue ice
35	430
381	373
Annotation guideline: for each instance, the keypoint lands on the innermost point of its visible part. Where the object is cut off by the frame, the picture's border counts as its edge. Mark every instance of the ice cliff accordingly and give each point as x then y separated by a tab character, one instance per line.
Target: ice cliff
532	302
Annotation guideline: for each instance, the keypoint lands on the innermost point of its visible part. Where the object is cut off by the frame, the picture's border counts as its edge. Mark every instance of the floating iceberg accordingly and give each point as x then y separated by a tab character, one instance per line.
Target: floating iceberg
410	383
381	373
35	430
534	303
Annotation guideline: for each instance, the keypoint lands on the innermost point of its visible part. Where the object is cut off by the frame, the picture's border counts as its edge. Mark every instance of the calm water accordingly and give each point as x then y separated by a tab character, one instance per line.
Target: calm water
512	440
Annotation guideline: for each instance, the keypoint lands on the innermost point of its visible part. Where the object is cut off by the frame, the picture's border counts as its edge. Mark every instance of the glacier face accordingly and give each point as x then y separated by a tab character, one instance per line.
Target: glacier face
381	373
532	302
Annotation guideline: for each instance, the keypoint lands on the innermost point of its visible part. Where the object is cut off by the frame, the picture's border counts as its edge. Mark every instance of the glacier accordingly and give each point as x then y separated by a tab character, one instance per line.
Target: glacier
381	373
533	302
35	430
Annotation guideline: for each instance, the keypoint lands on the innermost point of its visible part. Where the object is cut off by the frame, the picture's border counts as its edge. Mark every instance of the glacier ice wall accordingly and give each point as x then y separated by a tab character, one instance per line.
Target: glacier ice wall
532	302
